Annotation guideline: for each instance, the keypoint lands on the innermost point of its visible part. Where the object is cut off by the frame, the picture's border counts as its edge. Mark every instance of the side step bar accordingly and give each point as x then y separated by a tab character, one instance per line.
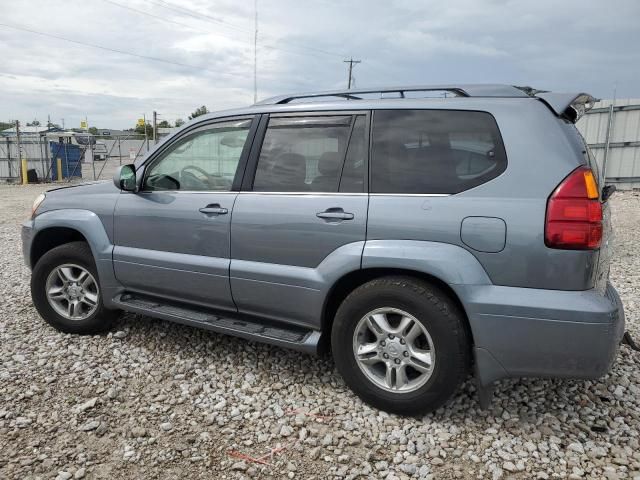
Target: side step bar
296	338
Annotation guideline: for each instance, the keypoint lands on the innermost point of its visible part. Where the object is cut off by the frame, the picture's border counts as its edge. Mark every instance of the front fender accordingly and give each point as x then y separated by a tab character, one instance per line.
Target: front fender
92	229
83	221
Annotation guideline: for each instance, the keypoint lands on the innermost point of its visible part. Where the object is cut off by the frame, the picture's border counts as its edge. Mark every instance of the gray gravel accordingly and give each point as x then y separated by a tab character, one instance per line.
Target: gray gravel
157	400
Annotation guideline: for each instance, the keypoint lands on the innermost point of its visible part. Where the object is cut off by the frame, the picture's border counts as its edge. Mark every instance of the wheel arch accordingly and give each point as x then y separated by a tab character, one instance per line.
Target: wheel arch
52	237
86	223
352	280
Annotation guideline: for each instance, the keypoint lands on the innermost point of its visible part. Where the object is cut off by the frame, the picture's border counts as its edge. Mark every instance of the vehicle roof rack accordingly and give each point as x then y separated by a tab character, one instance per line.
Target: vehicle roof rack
471	90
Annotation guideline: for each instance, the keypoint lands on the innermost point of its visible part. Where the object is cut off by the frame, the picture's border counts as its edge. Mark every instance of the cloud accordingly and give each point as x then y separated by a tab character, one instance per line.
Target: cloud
571	45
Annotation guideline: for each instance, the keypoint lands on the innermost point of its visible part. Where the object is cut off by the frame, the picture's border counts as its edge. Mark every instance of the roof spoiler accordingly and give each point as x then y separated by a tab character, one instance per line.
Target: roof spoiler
570	106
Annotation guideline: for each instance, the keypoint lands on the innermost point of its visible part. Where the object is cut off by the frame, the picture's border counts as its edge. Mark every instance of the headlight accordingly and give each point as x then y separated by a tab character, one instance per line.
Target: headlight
36	203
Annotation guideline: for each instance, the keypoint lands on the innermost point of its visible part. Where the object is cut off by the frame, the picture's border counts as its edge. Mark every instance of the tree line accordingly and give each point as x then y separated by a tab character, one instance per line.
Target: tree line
165	124
138	128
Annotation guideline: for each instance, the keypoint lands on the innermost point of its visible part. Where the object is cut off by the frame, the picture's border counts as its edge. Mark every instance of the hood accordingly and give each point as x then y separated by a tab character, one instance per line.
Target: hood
77	185
97	187
98	197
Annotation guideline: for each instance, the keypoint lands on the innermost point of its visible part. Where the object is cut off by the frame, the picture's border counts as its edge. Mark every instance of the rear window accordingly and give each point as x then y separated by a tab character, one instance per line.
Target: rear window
312	154
434	151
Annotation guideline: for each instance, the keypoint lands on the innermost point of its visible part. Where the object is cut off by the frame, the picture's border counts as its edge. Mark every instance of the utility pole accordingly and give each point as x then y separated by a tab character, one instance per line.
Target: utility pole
20	160
255	53
155	127
146	137
608	136
91	140
351	62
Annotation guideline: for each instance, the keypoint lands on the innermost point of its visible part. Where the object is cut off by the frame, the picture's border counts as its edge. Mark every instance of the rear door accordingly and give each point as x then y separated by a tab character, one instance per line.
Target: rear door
172	237
303	203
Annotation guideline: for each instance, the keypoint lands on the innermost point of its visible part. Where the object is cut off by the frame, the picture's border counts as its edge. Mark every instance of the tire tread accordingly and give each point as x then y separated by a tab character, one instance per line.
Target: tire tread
440	300
79	252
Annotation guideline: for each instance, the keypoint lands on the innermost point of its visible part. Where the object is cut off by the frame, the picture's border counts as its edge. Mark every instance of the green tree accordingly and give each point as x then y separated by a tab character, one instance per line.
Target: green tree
179	122
140	129
35	123
93	131
164	124
199	111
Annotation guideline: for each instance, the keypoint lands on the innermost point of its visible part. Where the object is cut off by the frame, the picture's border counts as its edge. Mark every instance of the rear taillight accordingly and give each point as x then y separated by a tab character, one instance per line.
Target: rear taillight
574	213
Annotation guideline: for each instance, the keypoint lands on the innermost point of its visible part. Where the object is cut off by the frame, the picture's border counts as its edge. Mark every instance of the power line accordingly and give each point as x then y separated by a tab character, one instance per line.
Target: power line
161	18
197	15
164	19
202	16
109	49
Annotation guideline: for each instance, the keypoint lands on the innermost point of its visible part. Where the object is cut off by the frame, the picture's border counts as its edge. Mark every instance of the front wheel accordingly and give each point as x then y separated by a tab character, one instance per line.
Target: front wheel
66	292
401	345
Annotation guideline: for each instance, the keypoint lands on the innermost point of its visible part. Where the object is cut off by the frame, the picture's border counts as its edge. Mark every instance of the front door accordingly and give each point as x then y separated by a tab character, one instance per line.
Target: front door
302	213
172	237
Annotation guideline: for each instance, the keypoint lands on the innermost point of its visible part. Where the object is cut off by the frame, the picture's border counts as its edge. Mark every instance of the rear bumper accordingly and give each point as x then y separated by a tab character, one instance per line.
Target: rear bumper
521	332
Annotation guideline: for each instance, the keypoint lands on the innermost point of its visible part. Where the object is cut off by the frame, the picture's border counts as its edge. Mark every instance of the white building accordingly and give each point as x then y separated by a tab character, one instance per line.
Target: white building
613	134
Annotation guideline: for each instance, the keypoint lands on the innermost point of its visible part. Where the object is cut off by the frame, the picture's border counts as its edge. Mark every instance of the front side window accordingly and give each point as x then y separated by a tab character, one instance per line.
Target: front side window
306	154
206	160
434	151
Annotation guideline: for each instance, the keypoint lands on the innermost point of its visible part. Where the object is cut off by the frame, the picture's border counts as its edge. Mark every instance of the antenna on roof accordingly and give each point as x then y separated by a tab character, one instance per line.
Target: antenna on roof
255	53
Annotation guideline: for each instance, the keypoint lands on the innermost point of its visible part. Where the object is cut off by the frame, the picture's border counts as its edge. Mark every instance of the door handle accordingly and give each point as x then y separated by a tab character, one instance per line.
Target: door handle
335	214
214	209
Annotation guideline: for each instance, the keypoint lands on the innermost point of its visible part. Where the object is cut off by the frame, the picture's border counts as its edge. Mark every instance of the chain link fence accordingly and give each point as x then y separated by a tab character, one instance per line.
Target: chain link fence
99	157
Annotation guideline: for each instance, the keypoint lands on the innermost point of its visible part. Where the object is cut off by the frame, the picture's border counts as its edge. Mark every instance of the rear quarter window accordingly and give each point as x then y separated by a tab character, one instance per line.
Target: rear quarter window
434	151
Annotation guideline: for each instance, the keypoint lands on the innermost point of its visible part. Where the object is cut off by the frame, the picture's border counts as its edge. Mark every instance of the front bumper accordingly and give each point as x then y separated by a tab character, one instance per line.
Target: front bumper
27	238
520	332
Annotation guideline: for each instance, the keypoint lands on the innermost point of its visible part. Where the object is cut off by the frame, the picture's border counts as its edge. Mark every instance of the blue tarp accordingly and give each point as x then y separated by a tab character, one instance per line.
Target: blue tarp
70	156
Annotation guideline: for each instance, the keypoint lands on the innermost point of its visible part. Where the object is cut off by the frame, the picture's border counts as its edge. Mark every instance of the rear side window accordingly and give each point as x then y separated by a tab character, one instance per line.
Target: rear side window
307	154
434	151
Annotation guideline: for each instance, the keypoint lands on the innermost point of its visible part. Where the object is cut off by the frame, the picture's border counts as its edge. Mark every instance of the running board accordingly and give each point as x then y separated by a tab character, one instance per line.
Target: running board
296	338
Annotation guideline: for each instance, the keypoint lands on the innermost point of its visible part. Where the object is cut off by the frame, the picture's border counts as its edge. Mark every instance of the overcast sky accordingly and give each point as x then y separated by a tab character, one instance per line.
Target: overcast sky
560	45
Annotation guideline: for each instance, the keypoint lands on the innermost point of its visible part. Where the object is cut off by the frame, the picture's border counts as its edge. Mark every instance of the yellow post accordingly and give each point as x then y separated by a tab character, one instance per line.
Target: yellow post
59	165
25	180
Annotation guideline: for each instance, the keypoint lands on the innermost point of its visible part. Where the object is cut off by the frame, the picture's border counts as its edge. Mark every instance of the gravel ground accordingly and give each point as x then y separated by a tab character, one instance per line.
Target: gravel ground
158	400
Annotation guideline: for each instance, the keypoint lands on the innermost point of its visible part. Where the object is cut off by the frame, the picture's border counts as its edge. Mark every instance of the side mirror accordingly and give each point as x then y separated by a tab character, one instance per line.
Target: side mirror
125	178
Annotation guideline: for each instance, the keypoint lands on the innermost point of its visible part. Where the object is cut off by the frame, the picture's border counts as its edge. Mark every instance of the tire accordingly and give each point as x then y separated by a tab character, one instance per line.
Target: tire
72	258
446	343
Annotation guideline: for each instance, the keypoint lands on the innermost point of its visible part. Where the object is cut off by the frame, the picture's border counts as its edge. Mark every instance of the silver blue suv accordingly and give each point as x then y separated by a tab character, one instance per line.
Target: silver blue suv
418	236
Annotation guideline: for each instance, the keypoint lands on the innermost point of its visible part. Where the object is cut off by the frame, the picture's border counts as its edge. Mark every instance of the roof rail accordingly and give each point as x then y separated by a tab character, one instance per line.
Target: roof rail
471	90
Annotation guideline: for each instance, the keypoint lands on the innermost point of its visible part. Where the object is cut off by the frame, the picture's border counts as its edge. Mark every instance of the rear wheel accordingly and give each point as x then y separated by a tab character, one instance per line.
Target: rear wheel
401	345
66	291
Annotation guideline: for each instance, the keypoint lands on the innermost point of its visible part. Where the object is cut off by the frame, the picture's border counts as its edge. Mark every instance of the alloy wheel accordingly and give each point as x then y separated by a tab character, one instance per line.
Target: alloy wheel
72	291
394	350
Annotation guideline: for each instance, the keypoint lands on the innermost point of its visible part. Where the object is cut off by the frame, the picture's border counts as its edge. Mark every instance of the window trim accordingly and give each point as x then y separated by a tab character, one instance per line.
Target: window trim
157	155
254	155
370	157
